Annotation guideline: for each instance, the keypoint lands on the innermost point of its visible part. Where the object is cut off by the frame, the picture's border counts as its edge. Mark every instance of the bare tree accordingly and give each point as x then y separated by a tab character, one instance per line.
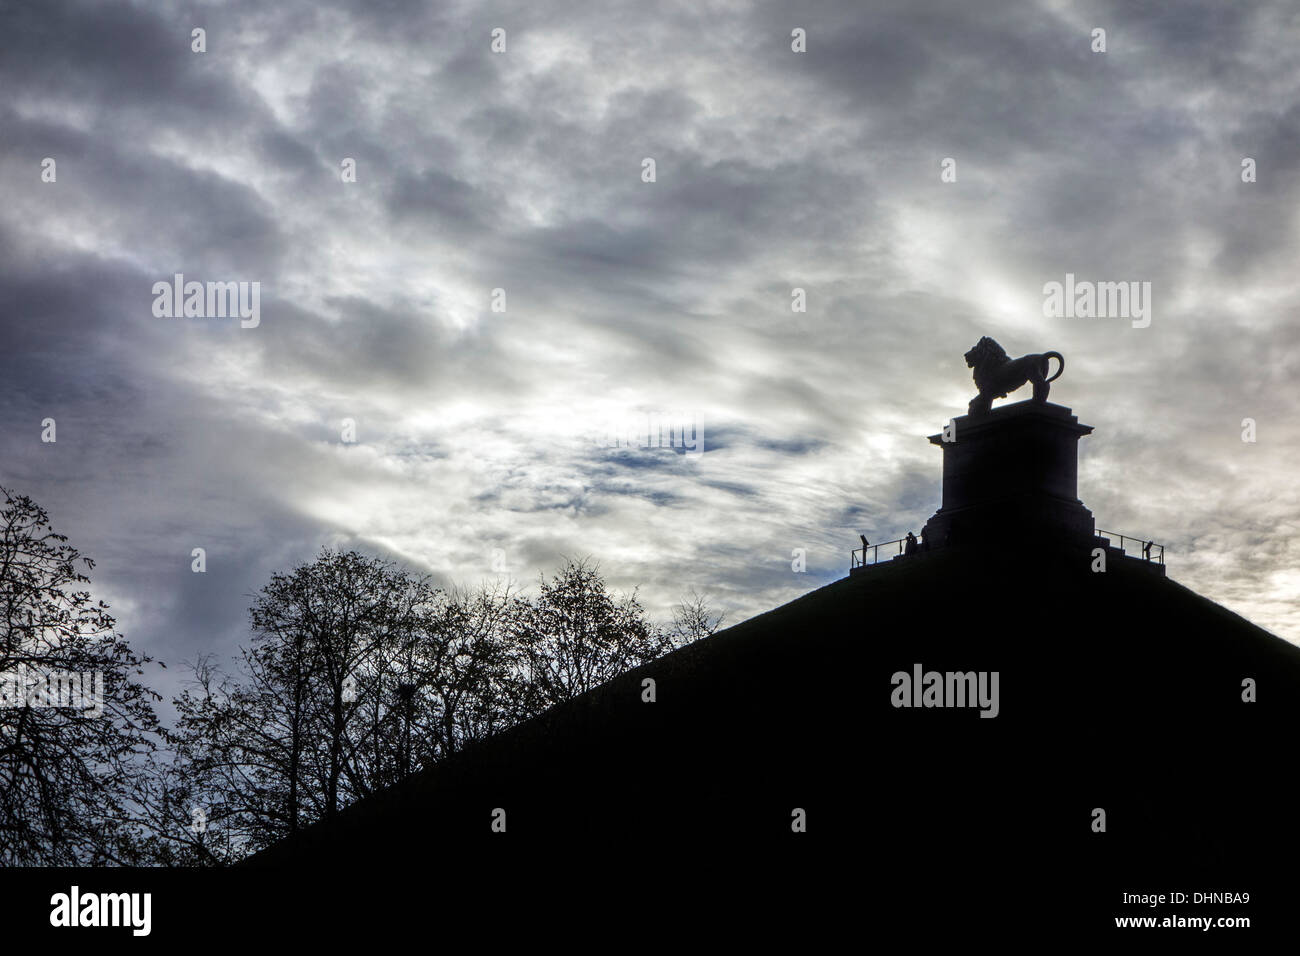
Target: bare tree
306	728
575	636
243	749
75	726
693	619
468	668
450	678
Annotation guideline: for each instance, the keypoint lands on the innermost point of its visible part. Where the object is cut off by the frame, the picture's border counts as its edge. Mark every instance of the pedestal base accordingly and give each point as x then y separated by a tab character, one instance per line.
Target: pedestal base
1011	475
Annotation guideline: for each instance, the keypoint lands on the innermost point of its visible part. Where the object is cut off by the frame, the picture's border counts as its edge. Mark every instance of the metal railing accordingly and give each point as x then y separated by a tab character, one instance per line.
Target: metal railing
859	557
1149	548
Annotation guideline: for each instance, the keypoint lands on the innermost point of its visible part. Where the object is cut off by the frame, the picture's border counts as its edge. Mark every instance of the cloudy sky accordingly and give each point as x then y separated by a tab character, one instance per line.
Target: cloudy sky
477	431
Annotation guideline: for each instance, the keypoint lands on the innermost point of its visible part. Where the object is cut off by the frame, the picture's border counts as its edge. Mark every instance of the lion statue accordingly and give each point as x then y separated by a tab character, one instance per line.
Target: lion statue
996	373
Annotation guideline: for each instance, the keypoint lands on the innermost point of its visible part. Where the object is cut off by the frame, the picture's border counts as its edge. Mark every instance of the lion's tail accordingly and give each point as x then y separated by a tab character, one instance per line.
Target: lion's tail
1061	368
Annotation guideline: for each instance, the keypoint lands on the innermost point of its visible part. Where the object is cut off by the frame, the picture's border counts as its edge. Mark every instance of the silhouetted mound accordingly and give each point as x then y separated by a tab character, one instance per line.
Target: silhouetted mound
1118	690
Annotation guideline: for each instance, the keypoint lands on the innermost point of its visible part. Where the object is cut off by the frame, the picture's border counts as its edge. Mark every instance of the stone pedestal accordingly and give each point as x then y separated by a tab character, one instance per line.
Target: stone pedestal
1011	476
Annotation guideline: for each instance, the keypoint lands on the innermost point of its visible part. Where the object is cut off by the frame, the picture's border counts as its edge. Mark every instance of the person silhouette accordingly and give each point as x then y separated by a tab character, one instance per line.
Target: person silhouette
909	546
925	540
1146	551
864	548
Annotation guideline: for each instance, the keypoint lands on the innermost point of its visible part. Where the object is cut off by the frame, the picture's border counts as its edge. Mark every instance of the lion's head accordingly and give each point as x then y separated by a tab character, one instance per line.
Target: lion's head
985	352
